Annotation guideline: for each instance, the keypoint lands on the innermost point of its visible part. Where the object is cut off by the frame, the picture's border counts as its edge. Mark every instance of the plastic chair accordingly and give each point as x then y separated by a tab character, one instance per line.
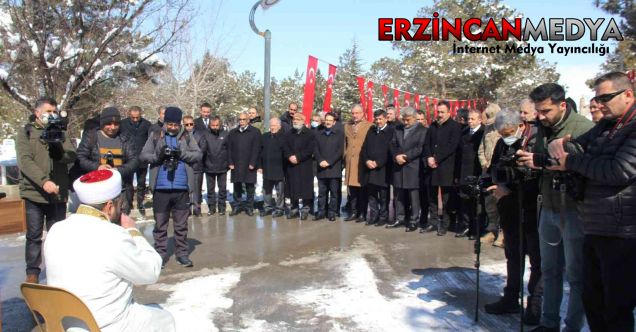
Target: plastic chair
54	304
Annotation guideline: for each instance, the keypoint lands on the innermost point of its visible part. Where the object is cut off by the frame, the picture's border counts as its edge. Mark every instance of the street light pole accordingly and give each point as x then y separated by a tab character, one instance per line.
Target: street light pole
268	46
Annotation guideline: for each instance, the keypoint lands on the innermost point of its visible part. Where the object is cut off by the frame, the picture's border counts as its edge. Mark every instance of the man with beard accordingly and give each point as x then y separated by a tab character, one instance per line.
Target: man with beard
273	169
355	133
377	159
439	151
328	156
215	166
244	144
171	154
202	123
300	143
287	118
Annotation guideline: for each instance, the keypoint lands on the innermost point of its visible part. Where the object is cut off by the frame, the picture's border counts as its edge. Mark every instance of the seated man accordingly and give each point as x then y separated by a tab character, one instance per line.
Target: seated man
98	255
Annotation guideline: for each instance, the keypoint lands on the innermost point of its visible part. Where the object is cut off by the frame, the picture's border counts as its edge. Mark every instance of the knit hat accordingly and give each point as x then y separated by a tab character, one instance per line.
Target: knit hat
173	114
98	187
108	115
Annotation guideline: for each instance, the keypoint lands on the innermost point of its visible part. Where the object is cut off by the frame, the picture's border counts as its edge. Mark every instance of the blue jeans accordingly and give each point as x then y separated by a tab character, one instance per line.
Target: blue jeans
567	253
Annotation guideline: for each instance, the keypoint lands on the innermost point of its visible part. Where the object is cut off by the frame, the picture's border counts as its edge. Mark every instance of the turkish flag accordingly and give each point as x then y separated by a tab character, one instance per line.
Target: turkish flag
452	108
361	89
332	74
407	99
370	101
385	90
474	104
416	102
396	102
435	108
310	88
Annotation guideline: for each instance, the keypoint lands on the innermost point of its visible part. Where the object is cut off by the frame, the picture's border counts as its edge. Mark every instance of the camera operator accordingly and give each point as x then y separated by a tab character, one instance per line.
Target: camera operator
43	180
510	182
558	219
108	147
171	154
607	211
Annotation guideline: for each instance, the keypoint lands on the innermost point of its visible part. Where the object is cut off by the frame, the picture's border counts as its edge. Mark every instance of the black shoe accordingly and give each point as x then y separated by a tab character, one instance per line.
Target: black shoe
142	212
164	262
211	211
361	219
351	217
318	216
380	223
503	306
250	212
293	215
371	221
428	229
332	218
411	228
462	234
265	213
545	329
185	261
532	314
197	212
221	212
441	232
235	212
304	215
395	224
277	214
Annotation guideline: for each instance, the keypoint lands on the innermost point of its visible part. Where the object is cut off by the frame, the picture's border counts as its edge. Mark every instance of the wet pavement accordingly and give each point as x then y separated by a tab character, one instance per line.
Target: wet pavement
264	274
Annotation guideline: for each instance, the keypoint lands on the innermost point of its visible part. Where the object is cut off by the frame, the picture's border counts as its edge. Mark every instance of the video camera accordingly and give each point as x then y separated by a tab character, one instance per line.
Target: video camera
507	170
55	124
476	185
171	158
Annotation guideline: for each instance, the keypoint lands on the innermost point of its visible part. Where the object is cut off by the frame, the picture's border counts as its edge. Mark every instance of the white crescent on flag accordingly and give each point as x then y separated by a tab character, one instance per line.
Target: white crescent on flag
311	74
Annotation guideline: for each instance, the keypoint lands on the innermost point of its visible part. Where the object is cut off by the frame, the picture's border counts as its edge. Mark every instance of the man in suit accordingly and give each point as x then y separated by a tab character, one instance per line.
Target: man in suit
468	165
328	156
244	144
137	127
440	150
202	123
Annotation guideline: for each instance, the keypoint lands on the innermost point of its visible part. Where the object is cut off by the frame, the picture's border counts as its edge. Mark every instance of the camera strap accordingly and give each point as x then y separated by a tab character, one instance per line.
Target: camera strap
622	122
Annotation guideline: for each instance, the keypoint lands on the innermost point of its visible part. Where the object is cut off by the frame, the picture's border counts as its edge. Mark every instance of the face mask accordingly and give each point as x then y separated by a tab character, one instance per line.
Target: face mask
510	140
315	124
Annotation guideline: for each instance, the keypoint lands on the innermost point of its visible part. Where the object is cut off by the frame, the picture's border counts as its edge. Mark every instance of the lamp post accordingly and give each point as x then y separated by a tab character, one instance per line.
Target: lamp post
268	45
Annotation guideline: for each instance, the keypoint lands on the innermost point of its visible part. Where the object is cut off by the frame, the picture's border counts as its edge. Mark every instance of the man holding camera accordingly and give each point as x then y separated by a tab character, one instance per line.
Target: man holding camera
560	227
607	211
44	180
171	154
108	147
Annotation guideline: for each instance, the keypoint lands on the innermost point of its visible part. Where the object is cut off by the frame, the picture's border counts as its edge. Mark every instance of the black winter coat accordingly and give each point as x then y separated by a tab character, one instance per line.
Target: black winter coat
200	125
155	128
139	132
377	147
286	121
609	165
243	151
89	157
330	148
215	152
299	182
442	145
272	156
199	137
467	163
407	176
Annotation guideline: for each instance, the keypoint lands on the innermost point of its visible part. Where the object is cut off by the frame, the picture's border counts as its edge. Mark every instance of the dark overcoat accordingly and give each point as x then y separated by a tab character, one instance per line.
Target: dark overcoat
467	163
442	145
407	176
329	147
215	153
272	158
377	147
243	151
299	182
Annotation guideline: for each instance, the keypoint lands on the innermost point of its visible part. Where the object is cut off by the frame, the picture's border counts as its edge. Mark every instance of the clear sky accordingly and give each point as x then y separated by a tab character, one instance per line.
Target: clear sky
326	28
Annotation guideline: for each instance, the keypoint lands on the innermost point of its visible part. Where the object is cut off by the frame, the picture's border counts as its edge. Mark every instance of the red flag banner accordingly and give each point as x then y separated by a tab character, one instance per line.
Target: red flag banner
416	102
434	108
475	104
407	99
361	89
327	104
370	101
385	90
396	102
428	113
310	88
452	108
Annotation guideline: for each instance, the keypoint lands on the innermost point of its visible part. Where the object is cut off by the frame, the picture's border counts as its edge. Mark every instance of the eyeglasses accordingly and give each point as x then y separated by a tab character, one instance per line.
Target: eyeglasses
188	124
604	98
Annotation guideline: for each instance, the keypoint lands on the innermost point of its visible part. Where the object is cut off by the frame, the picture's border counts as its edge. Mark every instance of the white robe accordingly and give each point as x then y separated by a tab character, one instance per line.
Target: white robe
100	262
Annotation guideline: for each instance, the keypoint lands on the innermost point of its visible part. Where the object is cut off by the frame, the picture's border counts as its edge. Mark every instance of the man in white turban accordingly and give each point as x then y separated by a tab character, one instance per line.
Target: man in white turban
98	255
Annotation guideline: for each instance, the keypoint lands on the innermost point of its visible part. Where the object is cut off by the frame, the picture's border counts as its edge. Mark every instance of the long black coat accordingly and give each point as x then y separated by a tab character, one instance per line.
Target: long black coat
407	176
300	177
139	132
467	163
377	147
272	157
244	148
215	153
442	145
330	148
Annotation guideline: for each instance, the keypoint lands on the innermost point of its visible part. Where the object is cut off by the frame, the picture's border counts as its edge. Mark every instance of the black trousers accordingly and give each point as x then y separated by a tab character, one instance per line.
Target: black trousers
141	185
358	201
269	203
609	283
328	196
214	199
127	203
424	194
433	207
237	194
165	203
197	196
378	198
404	197
36	216
508	208
467	214
295	206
